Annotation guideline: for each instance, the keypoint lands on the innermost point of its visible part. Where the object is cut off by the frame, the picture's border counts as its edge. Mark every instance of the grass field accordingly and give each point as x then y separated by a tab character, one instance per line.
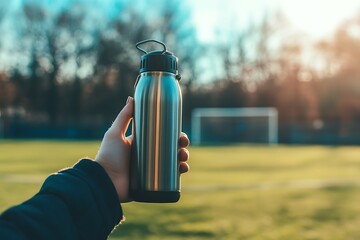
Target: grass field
235	192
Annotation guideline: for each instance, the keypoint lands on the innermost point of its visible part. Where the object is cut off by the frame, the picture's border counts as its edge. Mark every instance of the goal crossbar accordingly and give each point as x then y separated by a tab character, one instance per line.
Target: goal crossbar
269	112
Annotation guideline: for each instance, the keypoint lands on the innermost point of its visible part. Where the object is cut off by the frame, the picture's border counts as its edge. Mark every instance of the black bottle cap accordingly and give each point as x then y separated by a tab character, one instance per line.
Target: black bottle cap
163	61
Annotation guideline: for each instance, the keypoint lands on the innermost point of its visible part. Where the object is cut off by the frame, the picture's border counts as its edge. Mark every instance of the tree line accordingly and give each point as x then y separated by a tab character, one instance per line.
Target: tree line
71	66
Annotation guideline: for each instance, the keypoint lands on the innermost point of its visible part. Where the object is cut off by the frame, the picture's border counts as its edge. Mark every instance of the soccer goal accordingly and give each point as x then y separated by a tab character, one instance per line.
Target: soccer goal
234	125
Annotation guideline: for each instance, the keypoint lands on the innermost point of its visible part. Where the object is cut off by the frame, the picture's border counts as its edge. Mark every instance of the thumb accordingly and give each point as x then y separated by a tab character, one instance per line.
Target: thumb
122	120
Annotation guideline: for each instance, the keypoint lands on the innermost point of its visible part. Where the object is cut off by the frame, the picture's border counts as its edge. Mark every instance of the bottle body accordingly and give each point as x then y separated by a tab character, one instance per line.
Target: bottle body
156	128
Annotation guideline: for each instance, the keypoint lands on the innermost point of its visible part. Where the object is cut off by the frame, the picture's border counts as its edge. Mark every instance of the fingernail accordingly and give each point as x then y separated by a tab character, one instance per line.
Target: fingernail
127	101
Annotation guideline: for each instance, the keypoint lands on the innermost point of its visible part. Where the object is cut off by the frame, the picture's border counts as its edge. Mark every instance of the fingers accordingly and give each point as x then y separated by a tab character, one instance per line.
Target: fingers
184	140
184	167
122	120
183	155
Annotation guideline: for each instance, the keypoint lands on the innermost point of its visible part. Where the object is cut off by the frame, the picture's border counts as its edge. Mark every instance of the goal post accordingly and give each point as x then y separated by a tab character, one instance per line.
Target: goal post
231	125
1	127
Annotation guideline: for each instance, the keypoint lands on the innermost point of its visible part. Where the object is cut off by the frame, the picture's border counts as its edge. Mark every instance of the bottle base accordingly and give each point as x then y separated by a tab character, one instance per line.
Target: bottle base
155	196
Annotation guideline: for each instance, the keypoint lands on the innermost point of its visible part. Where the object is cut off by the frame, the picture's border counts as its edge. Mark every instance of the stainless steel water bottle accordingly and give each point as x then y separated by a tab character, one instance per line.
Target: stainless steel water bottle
154	166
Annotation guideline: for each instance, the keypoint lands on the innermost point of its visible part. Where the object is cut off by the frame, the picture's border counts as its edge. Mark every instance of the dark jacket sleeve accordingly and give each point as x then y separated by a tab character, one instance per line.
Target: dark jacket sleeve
75	203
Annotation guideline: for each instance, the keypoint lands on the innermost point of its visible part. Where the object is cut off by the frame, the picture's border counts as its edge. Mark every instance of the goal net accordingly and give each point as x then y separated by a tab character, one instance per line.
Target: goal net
234	125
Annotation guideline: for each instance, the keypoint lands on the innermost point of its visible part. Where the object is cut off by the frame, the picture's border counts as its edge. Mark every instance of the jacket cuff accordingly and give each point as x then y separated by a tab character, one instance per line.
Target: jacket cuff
96	175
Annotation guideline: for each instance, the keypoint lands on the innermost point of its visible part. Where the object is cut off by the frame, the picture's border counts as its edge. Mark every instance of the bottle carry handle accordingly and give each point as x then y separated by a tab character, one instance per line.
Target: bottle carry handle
150	40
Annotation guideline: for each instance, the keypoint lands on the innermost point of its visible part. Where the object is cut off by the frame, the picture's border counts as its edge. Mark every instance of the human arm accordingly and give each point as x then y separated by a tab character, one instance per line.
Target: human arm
75	203
82	202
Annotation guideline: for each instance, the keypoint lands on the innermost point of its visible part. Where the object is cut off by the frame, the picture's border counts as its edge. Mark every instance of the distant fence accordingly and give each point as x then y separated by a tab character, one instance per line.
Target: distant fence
299	133
329	134
23	130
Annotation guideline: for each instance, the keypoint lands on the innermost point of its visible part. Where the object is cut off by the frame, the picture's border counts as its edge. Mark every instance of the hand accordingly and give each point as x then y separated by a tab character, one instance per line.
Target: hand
114	152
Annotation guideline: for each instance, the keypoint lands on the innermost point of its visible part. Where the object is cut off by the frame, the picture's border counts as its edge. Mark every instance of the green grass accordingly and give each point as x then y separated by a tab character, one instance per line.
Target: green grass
236	192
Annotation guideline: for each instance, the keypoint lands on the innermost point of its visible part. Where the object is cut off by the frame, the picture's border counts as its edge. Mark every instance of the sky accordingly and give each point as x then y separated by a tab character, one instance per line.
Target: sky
215	20
314	18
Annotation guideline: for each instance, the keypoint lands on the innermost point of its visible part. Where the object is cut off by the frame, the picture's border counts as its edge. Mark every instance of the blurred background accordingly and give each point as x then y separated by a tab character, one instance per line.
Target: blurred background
283	74
67	67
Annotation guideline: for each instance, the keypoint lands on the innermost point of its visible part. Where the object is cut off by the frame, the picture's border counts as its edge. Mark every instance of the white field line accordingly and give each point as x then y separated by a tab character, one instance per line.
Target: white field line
21	178
303	183
296	184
